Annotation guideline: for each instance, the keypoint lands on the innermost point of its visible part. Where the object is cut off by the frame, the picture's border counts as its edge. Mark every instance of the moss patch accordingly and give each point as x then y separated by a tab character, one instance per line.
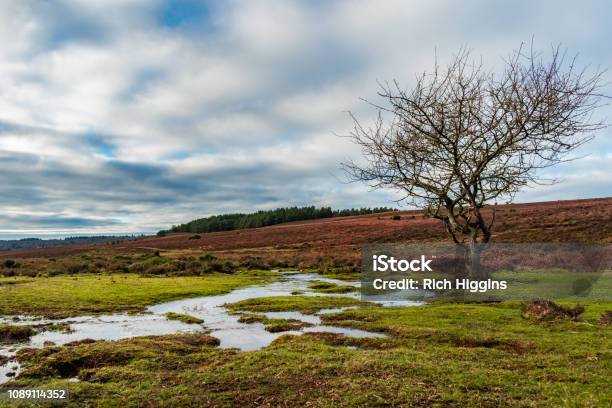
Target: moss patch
274	325
183	318
329	287
304	304
84	359
13	333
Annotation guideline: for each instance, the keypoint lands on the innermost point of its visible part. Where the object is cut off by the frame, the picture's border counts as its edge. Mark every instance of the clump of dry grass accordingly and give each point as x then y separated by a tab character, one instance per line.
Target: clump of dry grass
546	310
14	334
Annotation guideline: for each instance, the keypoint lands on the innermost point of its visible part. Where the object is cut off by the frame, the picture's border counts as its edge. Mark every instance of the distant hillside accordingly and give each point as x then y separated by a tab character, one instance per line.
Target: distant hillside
341	238
230	222
35	243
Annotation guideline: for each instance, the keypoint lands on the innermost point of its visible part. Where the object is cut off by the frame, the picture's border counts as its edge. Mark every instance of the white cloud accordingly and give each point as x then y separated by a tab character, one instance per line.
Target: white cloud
242	104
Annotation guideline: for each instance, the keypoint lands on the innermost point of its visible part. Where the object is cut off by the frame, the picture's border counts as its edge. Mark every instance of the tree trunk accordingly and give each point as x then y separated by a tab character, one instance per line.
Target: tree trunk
472	262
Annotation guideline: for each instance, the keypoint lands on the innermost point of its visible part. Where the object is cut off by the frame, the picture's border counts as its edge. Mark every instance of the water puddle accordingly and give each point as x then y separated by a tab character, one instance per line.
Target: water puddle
11	367
342	330
217	320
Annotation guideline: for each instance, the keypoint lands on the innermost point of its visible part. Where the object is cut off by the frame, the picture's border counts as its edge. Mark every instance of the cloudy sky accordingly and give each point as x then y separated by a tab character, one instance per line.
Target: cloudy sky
126	116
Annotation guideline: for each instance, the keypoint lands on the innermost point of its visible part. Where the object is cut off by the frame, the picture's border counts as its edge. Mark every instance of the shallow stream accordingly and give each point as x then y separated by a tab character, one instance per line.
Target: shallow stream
218	321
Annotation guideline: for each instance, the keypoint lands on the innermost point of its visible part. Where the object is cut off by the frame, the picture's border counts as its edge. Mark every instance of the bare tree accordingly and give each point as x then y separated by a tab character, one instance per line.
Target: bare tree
464	137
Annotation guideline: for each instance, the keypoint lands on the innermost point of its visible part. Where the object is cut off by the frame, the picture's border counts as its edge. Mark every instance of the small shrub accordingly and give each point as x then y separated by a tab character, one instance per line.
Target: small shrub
146	265
223	267
75	268
163	269
122	258
122	269
278	263
396	217
196	236
193	267
207	258
9	263
253	262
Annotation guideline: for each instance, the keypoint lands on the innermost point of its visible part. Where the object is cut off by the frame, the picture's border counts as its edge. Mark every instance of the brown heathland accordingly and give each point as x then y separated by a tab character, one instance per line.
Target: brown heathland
340	238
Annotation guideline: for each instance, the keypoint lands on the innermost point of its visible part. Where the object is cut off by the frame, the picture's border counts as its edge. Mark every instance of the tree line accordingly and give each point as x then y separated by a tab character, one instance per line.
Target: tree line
229	222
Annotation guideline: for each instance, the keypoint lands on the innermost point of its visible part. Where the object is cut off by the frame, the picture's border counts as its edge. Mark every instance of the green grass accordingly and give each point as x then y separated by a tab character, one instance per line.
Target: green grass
344	274
304	304
450	355
554	284
63	296
329	287
183	318
273	325
444	354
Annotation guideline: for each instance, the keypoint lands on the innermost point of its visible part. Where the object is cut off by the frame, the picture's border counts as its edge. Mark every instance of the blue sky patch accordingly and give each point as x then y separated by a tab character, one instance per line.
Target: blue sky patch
100	144
177	13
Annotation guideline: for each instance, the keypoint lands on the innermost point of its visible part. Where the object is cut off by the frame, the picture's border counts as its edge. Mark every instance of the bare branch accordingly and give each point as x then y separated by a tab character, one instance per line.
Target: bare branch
463	137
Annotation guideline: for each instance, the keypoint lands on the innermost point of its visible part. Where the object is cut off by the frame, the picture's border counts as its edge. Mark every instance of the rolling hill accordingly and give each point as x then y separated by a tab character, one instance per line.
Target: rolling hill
340	238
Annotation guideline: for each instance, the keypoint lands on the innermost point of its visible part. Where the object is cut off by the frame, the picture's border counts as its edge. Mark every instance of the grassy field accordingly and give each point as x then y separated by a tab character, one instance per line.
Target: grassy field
63	296
436	355
443	354
555	285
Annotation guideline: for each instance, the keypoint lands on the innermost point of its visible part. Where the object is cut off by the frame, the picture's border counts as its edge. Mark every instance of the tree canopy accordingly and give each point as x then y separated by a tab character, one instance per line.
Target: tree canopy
228	222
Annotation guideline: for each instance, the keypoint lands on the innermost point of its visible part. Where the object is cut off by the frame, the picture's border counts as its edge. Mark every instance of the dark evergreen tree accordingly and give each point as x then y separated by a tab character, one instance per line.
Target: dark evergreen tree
229	222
